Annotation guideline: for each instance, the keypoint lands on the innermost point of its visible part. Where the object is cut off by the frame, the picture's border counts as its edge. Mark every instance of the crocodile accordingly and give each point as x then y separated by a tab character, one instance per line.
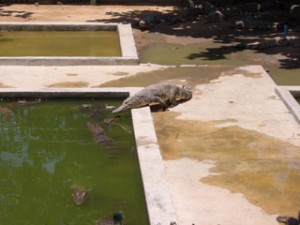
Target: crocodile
99	135
165	95
79	197
270	43
150	20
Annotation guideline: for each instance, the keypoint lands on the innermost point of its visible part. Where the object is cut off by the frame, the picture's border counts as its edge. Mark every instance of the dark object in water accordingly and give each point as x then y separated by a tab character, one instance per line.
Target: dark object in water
289	220
118	217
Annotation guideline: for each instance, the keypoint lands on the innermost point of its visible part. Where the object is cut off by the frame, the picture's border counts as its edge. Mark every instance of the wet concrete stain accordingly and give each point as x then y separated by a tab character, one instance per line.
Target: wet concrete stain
69	84
178	75
264	169
120	73
72	74
5	86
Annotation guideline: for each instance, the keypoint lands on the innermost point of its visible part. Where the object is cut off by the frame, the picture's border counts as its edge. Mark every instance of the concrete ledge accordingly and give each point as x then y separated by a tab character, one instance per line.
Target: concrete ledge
160	205
128	56
127	41
158	198
67	61
56	26
288	94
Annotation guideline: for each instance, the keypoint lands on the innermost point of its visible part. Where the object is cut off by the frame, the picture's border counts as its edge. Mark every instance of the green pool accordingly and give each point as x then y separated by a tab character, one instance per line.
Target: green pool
60	43
48	150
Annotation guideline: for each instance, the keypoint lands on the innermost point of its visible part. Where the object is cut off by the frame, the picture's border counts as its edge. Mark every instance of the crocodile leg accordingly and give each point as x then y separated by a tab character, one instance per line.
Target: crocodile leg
160	101
173	101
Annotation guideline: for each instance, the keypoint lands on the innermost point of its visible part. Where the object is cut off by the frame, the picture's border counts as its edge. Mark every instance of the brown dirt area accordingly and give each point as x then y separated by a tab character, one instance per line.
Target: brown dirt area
21	12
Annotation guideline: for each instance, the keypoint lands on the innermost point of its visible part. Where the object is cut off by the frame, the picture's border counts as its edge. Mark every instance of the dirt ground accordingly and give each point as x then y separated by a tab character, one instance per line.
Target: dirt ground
21	12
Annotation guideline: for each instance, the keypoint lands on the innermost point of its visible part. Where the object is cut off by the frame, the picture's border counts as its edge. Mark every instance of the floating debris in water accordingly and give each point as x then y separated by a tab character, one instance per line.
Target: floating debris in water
110	107
87	106
25	102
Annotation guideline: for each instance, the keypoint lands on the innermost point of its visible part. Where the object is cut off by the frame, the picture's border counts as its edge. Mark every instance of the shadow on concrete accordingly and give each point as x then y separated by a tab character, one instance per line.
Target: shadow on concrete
15	13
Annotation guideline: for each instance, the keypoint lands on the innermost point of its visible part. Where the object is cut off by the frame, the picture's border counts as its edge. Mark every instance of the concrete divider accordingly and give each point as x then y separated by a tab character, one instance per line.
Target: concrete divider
288	95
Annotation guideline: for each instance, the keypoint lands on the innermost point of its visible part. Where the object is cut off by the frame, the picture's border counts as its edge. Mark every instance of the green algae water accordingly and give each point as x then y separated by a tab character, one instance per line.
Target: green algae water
48	150
59	43
216	54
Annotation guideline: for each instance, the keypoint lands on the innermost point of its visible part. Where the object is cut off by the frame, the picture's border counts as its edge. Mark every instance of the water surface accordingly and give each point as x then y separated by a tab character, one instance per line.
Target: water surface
48	150
59	43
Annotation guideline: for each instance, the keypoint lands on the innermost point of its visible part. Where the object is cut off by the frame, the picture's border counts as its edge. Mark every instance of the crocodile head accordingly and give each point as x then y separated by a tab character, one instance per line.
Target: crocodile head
125	105
185	93
79	197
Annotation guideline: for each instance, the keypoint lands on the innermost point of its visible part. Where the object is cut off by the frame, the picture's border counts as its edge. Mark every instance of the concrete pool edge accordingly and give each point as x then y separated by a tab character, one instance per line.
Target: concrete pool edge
158	198
288	94
128	56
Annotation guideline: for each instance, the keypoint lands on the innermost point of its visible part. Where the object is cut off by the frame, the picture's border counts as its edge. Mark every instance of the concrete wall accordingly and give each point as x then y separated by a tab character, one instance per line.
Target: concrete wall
93	2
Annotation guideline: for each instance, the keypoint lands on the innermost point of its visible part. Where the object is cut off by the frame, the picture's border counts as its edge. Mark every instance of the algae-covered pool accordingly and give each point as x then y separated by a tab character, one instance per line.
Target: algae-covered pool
217	54
60	43
51	148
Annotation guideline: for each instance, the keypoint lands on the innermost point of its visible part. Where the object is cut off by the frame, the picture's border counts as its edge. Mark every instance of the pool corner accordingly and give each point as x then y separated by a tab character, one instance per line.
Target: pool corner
128	56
